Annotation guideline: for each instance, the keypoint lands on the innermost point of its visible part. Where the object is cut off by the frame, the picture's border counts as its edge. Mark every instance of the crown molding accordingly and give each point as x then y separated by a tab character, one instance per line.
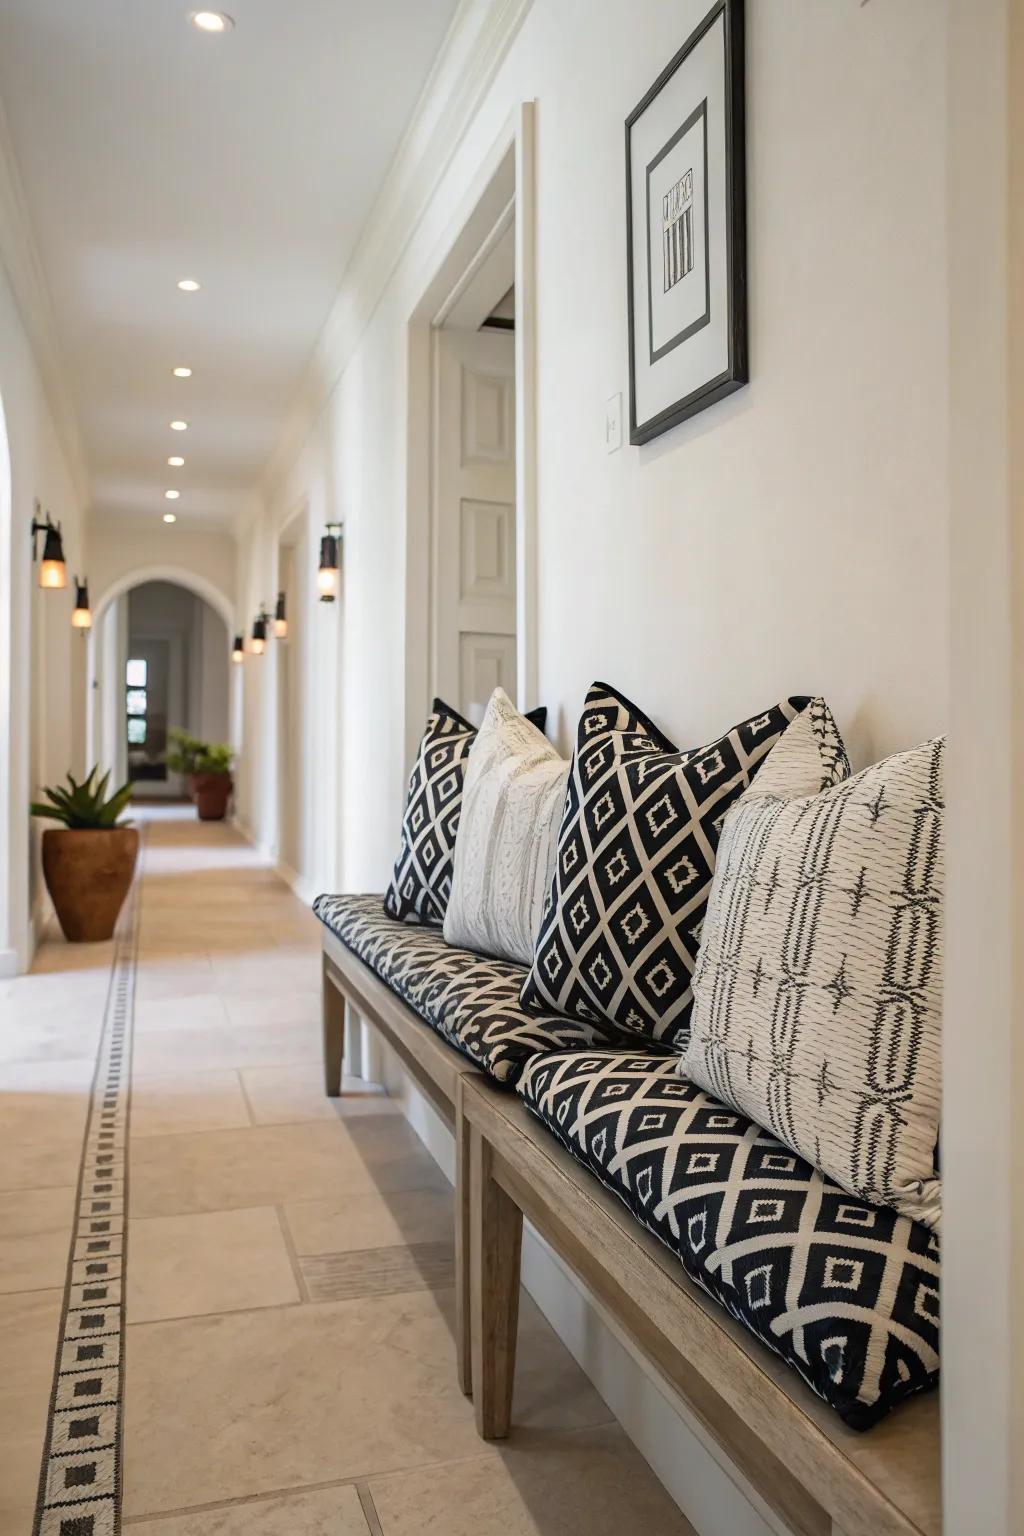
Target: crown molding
479	37
19	255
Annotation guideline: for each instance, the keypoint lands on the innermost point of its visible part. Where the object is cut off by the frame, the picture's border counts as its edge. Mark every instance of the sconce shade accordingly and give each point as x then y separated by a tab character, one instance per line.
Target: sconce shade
280	619
81	618
259	635
238	650
53	573
327	575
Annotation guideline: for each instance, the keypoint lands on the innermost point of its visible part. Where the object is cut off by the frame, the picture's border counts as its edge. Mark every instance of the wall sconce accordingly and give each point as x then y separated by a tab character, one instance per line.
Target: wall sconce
259	632
327	575
238	650
280	619
81	618
53	573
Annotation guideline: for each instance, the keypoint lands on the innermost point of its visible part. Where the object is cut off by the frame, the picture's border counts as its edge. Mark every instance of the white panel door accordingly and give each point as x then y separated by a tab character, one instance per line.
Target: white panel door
474	619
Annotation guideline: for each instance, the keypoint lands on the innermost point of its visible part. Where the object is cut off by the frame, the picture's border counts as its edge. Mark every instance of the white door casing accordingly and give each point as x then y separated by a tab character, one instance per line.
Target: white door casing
474	524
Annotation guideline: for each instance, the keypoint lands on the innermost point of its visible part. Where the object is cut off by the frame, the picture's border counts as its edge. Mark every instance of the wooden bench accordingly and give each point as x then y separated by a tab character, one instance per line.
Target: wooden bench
821	1478
434	1066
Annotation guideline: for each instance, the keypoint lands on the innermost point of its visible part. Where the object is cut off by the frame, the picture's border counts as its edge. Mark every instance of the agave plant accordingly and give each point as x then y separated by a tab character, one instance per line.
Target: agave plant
84	805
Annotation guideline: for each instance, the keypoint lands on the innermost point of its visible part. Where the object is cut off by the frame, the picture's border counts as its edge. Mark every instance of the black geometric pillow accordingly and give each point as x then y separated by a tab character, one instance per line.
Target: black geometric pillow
422	880
636	853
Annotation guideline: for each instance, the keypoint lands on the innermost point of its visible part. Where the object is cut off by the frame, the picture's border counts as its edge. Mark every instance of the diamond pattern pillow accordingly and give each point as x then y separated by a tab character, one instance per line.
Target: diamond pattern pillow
422	880
819	982
636	853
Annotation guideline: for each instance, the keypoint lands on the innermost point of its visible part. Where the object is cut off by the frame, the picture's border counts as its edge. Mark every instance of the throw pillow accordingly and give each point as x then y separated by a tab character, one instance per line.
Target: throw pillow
819	982
636	853
422	880
508	835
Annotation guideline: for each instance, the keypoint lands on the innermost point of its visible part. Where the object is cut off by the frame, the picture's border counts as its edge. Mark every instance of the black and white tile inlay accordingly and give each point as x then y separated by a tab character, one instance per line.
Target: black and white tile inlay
80	1479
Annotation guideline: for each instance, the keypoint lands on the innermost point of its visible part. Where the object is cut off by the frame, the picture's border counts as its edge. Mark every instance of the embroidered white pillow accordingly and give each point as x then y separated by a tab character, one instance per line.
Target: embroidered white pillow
508	835
818	988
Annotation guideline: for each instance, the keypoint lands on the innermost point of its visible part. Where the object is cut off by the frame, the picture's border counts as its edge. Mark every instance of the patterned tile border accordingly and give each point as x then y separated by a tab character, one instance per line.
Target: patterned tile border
80	1478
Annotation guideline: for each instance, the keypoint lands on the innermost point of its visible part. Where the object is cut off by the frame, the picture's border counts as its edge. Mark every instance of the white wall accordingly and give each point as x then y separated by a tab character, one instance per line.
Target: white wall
791	539
122	547
42	660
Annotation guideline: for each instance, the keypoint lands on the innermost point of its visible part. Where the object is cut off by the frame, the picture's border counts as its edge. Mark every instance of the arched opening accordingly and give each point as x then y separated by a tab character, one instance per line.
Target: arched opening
161	662
8	957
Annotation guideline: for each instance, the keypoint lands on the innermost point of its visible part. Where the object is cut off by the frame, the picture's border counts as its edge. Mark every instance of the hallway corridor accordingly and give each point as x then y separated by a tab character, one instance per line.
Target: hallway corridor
288	1356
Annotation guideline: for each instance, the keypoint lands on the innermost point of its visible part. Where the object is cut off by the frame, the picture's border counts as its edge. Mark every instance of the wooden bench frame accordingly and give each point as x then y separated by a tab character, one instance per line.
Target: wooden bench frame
434	1066
822	1478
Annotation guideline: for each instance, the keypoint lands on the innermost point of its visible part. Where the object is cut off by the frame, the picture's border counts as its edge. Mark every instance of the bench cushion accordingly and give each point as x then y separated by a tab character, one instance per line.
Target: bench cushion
846	1293
470	1000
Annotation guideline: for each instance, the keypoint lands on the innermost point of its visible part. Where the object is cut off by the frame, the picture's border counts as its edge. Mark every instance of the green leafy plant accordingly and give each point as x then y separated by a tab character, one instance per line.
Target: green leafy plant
84	806
214	758
184	751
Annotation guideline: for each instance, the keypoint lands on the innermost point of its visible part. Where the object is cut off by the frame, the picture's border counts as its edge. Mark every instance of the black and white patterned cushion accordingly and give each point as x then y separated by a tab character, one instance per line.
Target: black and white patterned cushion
470	1000
846	1293
818	990
636	853
422	881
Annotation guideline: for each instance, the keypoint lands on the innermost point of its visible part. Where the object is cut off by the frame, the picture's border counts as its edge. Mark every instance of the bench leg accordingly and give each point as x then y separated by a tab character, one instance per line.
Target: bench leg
496	1237
333	1004
463	1336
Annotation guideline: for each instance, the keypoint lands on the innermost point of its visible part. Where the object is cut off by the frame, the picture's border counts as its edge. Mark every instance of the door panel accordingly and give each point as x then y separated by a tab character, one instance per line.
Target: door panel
474	533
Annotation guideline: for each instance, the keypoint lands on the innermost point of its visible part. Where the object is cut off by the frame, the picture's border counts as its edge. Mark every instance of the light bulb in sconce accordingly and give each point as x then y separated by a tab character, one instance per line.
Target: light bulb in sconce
259	633
81	617
53	572
280	619
238	650
328	576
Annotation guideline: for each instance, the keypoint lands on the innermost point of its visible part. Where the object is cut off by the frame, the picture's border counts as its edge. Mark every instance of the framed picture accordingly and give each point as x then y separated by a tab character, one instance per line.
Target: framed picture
686	230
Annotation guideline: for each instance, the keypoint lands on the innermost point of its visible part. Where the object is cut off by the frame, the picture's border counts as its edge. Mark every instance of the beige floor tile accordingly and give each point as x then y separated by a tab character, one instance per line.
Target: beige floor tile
358	1219
590	1482
299	1395
28	1345
185	1266
42	1121
326	1512
380	1271
207	1048
201	1010
255	1008
172	978
228	1170
194	1101
35	1235
281	1095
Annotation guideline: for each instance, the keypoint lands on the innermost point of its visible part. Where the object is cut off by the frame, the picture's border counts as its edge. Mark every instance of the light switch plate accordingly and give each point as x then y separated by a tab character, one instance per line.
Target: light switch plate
613	423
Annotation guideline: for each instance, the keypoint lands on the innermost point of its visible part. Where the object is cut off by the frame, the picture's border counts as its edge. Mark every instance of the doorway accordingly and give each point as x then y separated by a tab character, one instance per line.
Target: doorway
470	574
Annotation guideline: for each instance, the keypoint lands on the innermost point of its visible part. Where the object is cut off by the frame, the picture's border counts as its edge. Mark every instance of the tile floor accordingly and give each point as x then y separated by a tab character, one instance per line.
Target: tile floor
290	1364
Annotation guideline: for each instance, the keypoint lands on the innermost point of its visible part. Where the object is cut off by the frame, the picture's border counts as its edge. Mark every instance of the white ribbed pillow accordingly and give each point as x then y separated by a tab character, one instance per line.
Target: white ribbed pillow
508	835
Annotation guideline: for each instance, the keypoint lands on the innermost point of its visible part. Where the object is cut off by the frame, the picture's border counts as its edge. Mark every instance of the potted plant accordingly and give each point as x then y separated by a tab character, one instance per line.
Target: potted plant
182	755
211	777
88	863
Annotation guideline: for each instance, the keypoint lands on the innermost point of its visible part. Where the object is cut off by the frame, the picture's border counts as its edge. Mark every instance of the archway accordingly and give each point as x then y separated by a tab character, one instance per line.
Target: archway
159	661
8	948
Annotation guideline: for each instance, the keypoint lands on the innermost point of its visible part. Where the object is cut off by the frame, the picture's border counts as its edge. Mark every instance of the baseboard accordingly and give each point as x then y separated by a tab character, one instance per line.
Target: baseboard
9	963
291	877
712	1494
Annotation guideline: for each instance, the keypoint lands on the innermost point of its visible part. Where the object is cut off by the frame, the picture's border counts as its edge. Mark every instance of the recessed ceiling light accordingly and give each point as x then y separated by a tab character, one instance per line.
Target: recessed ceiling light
169	517
175	461
171	495
211	21
189	285
183	373
179	426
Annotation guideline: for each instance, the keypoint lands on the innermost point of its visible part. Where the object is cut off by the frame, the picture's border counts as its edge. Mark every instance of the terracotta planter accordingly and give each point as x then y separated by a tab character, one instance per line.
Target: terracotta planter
212	793
88	874
190	785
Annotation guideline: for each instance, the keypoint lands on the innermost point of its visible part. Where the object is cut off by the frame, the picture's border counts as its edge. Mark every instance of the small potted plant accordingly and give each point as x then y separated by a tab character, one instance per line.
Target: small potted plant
211	777
182	755
88	863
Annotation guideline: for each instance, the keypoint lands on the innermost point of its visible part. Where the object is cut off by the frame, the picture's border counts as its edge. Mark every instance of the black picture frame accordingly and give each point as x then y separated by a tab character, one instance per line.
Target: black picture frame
736	373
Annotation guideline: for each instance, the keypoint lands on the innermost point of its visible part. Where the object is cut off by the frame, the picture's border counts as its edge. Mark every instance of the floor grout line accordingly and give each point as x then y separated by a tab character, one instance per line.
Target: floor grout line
293	1257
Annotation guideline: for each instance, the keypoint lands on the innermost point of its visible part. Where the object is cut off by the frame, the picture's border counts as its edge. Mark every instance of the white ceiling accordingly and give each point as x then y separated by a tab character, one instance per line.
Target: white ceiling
149	153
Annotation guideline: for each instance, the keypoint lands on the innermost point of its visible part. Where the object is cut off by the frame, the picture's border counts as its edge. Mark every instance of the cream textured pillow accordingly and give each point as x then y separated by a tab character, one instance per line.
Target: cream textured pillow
508	835
818	988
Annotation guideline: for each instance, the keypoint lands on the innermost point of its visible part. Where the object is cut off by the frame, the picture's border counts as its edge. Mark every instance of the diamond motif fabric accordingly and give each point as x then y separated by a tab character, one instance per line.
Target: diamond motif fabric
470	1000
636	853
422	881
847	1293
818	992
